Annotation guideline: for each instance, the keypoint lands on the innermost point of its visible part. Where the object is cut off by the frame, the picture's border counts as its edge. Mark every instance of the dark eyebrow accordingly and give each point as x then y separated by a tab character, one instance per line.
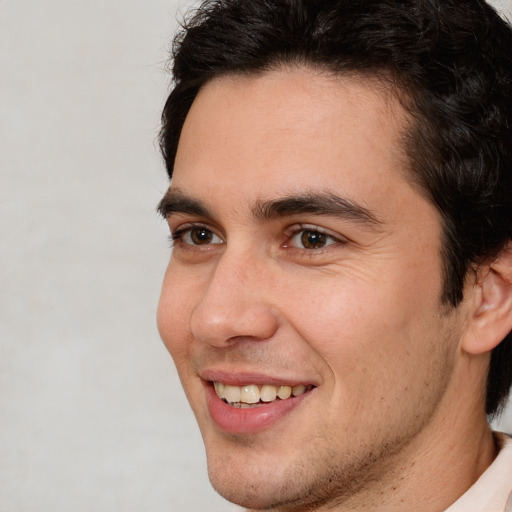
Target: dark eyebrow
175	201
325	203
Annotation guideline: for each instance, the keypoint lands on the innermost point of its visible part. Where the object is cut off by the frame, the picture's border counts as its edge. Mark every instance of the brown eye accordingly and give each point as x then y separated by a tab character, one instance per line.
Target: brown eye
311	239
200	236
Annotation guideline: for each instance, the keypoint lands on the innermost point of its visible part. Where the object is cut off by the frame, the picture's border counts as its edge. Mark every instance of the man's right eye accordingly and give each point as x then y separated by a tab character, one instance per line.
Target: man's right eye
196	236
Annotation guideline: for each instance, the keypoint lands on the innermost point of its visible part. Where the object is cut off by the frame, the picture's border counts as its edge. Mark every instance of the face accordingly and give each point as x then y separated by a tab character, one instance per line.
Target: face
301	303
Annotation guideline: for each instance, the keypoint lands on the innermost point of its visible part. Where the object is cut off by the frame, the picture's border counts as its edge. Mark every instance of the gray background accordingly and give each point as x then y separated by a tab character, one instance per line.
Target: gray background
92	417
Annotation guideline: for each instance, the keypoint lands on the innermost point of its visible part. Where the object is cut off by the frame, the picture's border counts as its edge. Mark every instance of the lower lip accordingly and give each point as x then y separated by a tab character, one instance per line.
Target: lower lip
251	420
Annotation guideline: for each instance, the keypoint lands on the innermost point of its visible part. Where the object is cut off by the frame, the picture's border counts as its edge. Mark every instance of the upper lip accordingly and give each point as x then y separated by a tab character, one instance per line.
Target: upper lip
236	378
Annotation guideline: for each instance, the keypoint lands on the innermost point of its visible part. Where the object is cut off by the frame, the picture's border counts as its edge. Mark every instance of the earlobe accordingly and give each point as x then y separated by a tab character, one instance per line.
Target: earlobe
492	315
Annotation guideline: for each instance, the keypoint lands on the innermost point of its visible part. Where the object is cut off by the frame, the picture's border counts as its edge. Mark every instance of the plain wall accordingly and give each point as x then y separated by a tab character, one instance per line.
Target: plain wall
92	416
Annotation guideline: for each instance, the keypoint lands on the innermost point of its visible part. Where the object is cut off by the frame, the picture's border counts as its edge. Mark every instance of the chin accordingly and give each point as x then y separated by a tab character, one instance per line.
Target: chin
256	482
253	495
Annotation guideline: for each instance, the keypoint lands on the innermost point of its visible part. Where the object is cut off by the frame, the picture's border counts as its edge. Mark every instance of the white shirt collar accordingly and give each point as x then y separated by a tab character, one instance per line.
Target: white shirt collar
492	492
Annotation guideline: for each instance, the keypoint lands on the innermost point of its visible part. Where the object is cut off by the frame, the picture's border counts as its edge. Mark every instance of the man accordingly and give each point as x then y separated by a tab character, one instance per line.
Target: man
338	302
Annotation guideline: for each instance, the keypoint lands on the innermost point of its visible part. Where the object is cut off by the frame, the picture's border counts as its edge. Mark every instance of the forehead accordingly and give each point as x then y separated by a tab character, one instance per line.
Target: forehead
290	129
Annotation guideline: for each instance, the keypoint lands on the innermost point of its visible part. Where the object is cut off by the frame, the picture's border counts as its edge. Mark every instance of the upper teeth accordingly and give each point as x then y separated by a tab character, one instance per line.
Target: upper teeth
252	394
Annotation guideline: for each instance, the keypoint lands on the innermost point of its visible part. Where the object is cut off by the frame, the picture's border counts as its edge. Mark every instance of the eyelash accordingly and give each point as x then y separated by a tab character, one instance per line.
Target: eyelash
177	237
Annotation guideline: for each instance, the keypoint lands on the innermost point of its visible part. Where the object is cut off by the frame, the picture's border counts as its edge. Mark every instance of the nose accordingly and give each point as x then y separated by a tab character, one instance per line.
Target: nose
235	305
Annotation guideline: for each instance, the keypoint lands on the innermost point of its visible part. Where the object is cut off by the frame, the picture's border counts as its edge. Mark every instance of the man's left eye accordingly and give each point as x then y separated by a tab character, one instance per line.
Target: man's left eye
311	239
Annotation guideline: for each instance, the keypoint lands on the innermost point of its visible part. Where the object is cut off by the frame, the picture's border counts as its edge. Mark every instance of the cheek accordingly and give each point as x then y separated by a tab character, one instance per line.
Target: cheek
367	331
173	315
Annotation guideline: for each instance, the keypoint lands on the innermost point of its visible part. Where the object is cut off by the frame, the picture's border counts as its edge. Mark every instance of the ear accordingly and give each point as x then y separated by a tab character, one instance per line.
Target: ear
492	312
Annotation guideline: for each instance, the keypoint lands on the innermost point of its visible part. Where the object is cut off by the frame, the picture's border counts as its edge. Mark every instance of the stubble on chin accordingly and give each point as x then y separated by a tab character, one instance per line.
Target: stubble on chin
325	480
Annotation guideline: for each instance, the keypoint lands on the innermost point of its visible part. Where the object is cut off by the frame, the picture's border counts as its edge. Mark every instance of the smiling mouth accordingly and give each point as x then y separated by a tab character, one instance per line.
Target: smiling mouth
245	397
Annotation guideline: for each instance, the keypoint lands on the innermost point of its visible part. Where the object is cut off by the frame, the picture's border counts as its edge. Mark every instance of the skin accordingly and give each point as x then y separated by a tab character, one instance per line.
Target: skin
360	318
